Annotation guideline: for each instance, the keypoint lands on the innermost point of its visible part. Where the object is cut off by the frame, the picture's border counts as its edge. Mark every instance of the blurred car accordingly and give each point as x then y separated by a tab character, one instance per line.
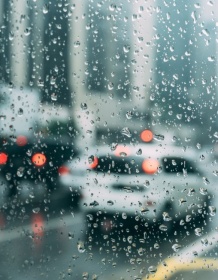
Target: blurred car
124	185
198	260
30	155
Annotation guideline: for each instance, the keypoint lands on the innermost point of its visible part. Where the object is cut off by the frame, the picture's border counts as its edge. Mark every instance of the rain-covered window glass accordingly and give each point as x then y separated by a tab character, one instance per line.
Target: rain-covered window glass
108	47
108	139
178	165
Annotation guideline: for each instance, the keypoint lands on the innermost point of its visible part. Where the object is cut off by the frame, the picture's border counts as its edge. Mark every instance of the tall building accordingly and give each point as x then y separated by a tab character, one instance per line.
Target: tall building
34	47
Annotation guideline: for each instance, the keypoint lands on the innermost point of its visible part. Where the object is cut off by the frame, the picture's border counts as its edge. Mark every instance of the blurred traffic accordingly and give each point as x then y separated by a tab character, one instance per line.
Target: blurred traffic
108	142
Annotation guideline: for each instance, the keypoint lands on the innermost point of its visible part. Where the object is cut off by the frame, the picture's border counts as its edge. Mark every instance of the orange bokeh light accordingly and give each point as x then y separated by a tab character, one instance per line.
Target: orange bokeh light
150	166
39	159
94	163
146	135
3	158
21	140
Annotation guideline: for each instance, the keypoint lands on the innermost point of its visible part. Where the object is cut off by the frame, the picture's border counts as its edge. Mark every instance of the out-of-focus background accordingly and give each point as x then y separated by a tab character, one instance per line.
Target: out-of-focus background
108	141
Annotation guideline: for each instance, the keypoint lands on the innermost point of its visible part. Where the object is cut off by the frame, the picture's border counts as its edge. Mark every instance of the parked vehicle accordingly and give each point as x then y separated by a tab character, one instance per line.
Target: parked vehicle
124	186
31	154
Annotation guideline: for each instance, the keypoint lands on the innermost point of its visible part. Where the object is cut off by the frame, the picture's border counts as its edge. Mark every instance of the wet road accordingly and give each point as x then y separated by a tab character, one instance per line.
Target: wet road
37	243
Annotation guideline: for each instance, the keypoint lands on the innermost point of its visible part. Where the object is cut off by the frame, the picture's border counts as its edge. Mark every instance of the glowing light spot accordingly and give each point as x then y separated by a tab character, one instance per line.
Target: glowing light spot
39	159
3	158
63	170
37	225
21	140
150	166
146	135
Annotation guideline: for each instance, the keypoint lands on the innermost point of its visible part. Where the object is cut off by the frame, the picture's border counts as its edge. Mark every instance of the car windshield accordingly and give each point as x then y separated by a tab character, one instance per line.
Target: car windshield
108	139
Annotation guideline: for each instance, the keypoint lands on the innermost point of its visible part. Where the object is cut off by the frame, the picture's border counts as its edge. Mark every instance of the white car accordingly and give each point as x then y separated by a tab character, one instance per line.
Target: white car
124	185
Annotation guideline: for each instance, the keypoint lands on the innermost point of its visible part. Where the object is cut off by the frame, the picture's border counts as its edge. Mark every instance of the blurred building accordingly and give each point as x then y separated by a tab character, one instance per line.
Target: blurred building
34	47
96	57
112	65
185	90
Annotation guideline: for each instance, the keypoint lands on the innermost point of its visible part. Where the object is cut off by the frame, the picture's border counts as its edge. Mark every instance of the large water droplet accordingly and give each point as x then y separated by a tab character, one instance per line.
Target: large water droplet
126	48
81	247
125	131
163	227
198	231
110	86
176	247
45	9
212	210
152	269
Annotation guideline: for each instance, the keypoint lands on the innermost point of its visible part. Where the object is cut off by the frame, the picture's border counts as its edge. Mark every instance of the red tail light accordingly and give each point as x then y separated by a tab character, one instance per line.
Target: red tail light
21	140
3	158
63	170
38	159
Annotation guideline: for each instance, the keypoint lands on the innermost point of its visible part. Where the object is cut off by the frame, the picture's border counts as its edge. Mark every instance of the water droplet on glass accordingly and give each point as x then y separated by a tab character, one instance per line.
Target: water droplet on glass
179	116
166	217
191	192
182	201
130	239
204	241
110	86
125	131
159	137
176	247
163	227
144	210
91	159
152	269
11	35
81	247
203	191
27	31
211	58
188	218
194	17
20	112
54	97
112	7
156	246
84	106
110	203
212	210
198	231
45	9
8	176
216	134
124	216
94	203
129	115
36	210
126	48
113	146
139	152
206	32
70	235
76	44
20	171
